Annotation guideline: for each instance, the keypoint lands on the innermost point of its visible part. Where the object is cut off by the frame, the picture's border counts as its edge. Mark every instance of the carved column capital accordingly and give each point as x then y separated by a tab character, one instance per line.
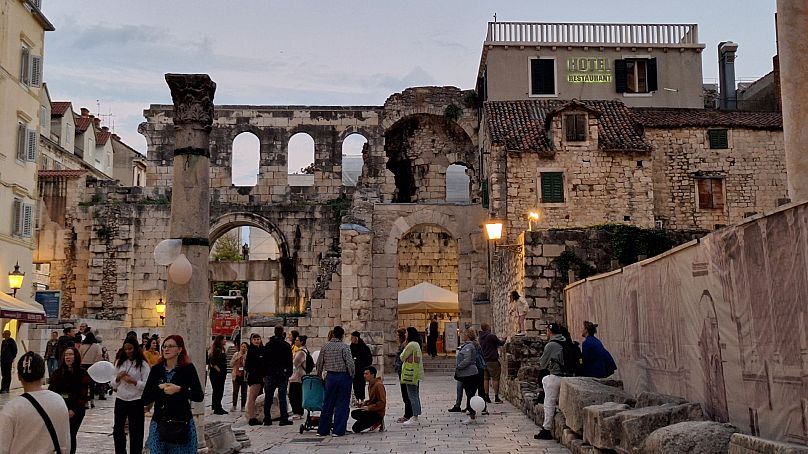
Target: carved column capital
192	95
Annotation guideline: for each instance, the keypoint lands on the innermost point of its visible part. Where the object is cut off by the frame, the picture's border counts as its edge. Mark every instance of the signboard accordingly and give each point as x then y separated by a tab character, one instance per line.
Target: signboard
227	315
451	336
51	301
586	70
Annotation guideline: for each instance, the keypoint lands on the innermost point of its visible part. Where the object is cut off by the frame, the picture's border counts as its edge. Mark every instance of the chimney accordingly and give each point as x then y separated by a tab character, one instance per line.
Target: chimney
85	112
116	137
105	128
96	122
727	97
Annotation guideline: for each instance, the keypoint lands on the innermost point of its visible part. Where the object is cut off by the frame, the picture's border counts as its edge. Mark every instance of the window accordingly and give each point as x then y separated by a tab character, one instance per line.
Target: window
636	75
30	67
27	141
711	193
542	77
718	138
22	219
552	187
575	126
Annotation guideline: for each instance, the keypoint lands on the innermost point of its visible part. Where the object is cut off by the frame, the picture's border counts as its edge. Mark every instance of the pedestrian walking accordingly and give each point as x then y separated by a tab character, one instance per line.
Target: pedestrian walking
71	382
412	372
132	371
362	358
8	351
597	361
552	361
254	373
65	340
91	352
370	414
432	337
490	343
299	363
152	354
479	360
26	419
217	371
278	366
50	352
466	371
239	382
172	385
336	362
397	363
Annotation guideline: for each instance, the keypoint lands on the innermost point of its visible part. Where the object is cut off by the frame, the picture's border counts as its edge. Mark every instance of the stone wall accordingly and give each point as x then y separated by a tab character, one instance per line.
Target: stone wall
753	169
427	253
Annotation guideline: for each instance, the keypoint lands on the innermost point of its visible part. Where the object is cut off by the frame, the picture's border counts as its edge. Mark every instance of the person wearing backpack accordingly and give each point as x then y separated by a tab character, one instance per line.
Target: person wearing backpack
303	364
551	361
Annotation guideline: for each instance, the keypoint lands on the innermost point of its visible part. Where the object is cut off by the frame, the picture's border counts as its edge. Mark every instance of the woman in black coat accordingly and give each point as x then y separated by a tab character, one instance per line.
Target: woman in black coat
172	385
254	370
73	384
217	364
362	358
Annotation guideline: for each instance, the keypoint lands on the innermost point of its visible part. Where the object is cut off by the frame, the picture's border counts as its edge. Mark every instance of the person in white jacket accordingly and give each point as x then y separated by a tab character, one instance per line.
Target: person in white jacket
132	371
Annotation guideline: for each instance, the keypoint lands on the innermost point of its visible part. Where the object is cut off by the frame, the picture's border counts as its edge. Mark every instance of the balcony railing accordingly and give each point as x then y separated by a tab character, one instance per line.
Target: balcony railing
654	35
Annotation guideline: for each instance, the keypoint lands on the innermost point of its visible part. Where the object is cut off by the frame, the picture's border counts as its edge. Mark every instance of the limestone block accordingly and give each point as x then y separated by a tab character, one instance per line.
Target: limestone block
259	407
593	428
692	437
580	392
220	439
632	427
649	399
747	444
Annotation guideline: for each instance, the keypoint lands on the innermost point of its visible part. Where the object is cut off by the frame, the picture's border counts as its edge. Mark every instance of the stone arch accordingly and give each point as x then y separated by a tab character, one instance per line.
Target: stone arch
226	222
467	126
403	225
291	134
245	158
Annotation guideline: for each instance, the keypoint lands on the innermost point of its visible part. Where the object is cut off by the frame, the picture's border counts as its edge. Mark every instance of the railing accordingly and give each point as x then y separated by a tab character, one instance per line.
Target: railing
593	34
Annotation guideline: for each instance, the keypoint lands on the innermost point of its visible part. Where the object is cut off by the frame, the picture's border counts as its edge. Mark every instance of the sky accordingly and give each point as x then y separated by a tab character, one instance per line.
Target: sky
330	52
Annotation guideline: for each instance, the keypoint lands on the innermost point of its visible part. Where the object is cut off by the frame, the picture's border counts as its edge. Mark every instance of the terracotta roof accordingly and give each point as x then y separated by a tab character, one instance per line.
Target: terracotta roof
58	108
521	125
101	137
705	118
82	123
60	173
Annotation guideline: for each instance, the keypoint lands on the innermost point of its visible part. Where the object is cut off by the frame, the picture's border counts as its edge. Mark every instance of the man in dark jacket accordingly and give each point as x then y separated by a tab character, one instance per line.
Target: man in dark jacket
8	351
362	358
278	367
432	337
490	343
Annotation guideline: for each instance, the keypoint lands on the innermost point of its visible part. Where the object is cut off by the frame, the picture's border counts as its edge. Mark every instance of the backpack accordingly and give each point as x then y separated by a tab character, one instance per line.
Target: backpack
308	366
571	357
479	359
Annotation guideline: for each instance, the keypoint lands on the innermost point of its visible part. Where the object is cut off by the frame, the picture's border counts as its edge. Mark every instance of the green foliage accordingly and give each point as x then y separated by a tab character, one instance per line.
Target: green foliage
227	248
159	200
292	314
452	112
628	241
223	288
94	200
472	100
567	261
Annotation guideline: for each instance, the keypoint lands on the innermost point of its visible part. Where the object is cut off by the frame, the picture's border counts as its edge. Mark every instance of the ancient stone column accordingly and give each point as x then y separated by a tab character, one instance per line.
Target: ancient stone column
792	36
187	306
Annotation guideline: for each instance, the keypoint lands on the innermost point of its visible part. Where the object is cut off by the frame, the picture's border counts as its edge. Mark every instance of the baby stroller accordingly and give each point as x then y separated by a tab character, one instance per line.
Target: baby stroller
312	401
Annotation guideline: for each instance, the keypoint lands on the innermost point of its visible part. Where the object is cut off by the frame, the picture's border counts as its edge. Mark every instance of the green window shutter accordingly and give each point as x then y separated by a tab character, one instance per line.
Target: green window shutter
620	76
552	187
719	138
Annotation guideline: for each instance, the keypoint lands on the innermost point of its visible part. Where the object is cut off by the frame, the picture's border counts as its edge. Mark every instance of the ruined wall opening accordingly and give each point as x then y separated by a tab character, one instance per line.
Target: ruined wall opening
246	158
458	184
353	147
428	253
300	160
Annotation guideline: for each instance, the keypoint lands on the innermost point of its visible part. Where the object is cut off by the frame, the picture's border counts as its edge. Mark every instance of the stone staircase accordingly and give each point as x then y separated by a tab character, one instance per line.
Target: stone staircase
442	365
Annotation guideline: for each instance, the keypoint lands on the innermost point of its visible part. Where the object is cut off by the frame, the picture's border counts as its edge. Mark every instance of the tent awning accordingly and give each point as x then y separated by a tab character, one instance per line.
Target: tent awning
426	297
11	307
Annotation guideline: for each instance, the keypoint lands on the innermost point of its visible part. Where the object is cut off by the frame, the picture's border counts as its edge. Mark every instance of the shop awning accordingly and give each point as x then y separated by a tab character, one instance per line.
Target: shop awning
426	297
11	307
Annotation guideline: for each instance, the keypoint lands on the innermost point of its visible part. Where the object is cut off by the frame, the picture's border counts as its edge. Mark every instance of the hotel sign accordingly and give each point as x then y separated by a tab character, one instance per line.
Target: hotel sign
589	70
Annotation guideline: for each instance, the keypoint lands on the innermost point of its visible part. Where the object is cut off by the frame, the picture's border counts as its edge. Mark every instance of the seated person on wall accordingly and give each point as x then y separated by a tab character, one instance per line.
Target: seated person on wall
597	361
370	414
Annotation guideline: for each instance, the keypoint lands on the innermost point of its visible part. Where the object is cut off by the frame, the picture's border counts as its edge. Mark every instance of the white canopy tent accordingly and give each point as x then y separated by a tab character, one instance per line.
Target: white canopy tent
18	309
426	297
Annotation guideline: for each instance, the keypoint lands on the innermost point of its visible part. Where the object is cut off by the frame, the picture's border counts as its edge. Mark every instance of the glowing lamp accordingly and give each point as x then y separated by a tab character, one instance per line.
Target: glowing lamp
493	229
15	279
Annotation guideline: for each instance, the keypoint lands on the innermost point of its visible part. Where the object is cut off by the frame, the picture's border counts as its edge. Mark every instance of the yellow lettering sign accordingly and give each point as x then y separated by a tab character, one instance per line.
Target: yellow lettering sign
589	70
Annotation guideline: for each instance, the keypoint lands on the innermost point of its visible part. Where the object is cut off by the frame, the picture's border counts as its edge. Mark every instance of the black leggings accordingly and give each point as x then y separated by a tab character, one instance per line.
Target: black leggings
239	384
470	387
217	383
75	424
407	404
133	412
296	397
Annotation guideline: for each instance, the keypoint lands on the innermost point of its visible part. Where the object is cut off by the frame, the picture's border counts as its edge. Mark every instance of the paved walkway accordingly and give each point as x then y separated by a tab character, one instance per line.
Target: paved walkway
505	431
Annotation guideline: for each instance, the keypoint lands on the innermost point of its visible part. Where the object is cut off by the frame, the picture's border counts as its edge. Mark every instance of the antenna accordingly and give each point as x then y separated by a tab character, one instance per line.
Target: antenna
495	17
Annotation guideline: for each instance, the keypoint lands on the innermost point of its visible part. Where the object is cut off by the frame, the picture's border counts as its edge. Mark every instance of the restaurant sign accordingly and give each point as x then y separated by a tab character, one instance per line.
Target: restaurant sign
589	70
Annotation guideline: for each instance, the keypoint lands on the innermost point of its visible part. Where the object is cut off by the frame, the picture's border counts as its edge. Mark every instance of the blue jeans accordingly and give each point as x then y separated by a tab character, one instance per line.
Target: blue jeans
335	404
52	365
280	384
415	399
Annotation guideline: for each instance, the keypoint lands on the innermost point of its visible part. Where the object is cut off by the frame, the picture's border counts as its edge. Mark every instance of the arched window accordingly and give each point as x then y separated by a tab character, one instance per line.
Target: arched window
300	159
457	184
246	159
352	161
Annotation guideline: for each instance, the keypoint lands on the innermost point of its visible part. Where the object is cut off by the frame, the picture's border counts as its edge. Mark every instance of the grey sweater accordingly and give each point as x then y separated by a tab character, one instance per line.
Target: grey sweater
466	363
552	357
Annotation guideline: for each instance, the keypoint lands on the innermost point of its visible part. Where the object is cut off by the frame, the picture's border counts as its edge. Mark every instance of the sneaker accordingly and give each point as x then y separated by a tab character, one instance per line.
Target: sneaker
543	435
402	419
267	422
336	435
219	411
375	427
297	417
468	421
254	422
455	409
497	400
485	412
411	422
285	422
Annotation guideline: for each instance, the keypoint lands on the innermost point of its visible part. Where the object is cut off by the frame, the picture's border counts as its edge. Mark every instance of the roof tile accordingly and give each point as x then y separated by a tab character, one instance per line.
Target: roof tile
59	108
705	118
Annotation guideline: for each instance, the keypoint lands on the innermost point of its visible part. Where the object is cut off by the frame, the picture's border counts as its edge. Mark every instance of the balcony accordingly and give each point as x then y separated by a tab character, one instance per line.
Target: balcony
593	35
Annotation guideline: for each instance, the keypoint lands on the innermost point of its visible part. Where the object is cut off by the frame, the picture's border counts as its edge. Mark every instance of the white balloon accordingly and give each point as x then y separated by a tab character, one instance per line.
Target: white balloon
315	355
102	372
477	403
167	251
180	271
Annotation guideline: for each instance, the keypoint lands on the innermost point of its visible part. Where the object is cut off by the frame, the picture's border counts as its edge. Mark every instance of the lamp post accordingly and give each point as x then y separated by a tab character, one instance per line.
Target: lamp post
15	279
160	307
533	216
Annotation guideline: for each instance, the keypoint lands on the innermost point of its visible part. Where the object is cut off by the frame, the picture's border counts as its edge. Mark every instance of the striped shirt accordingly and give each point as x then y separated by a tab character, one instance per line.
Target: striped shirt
335	356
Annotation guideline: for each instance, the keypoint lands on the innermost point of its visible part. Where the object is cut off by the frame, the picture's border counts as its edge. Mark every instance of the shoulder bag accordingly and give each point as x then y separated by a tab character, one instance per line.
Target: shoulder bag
410	371
47	420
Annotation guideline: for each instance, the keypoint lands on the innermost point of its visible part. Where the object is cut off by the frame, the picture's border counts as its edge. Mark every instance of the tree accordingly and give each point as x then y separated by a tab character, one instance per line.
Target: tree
227	248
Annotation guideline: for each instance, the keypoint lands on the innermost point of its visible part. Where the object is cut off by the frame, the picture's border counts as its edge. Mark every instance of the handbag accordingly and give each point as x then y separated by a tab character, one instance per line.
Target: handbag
410	371
173	431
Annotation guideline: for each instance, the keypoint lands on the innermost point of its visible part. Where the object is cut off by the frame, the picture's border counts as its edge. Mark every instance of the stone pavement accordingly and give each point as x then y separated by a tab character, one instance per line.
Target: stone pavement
505	431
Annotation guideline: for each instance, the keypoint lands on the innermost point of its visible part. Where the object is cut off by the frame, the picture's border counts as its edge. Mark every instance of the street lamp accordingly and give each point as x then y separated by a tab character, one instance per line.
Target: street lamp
493	229
160	307
15	279
533	216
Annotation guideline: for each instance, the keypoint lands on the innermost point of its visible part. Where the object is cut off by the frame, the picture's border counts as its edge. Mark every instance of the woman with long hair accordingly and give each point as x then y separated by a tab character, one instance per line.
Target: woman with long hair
217	370
254	372
412	354
152	354
132	371
172	385
239	383
73	384
296	380
402	342
466	371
